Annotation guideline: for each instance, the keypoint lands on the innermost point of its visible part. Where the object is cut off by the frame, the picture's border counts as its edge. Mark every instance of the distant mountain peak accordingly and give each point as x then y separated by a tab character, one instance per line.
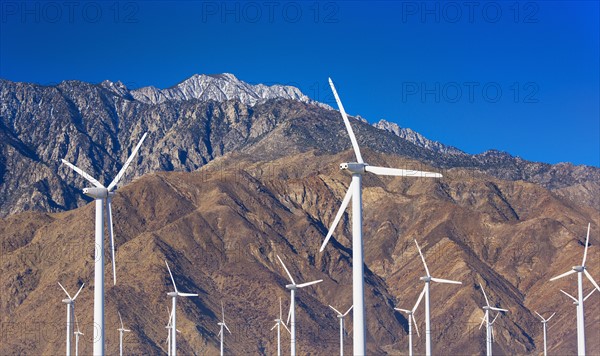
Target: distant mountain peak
416	138
221	87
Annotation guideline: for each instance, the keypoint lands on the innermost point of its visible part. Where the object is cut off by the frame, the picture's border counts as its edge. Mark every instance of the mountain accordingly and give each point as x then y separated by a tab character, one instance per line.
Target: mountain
221	227
416	138
95	127
220	87
222	185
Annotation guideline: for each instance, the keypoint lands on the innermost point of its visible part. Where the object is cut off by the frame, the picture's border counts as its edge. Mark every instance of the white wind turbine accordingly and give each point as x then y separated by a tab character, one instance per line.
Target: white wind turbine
169	327
100	194
544	321
427	279
580	270
576	301
354	192
222	324
70	302
174	296
491	325
488	334
412	320
77	335
278	323
121	331
341	317
292	313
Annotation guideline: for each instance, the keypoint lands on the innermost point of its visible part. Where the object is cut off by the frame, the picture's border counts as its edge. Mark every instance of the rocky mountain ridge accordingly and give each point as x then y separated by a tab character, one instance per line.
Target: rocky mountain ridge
96	126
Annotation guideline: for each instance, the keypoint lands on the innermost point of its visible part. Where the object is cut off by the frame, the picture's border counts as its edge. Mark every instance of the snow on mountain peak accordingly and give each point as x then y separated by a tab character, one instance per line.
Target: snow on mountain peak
416	138
220	87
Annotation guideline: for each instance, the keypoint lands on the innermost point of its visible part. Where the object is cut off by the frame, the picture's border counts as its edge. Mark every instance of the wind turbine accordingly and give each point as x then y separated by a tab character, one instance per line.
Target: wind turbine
121	331
577	304
354	192
70	302
77	334
292	313
222	324
580	270
278	323
411	320
544	321
100	194
341	317
174	296
488	334
427	279
169	327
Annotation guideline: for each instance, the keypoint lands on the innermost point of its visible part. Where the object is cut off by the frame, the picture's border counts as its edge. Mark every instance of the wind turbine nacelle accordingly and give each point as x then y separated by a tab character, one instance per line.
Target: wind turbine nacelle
578	268
96	193
353	167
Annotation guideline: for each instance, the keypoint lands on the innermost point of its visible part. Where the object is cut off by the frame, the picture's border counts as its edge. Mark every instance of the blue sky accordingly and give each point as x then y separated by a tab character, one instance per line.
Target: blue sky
521	77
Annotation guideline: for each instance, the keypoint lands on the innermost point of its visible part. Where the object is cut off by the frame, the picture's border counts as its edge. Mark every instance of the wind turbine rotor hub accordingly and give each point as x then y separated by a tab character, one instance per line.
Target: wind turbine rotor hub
290	286
485	307
67	301
96	192
578	268
172	294
353	167
426	279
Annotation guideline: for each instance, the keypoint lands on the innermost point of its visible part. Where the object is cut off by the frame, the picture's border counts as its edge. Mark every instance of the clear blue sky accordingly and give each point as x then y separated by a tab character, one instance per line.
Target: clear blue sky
521	77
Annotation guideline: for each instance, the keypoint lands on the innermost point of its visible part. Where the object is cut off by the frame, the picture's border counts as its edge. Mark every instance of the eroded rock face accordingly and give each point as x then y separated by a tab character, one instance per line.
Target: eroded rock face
221	227
96	126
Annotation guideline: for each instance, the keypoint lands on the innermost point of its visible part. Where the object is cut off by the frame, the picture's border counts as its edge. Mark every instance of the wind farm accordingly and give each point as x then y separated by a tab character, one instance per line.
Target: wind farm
276	230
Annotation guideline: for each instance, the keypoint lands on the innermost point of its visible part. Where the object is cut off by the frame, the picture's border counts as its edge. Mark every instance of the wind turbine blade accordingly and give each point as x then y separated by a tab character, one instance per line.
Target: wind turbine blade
112	239
487	302
77	324
587	239
274	326
563	275
289	314
348	311
496	317
347	123
412	316
76	294
423	259
187	294
550	316
124	168
385	171
440	280
308	283
172	279
286	328
587	296
286	270
280	311
335	310
121	319
220	331
414	309
82	173
499	309
63	288
572	297
492	330
482	321
589	276
403	310
225	325
223	312
338	216
538	314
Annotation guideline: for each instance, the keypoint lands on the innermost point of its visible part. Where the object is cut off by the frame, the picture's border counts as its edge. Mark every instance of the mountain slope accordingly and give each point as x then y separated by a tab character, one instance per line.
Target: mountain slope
221	227
96	126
